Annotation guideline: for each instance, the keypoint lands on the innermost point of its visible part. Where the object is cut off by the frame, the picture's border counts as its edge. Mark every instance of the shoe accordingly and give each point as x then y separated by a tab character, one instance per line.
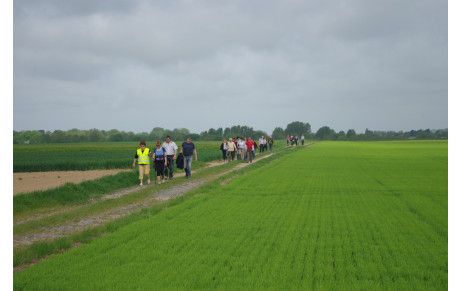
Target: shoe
170	178
148	181
162	181
141	184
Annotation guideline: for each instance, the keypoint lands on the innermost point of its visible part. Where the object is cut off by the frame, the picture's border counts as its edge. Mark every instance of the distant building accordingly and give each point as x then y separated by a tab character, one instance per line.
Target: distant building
42	131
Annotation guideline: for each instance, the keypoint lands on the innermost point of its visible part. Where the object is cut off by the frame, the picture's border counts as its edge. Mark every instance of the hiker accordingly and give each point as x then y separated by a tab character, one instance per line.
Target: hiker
188	149
271	142
250	144
288	139
143	160
296	140
223	148
171	153
231	149
160	159
240	144
302	139
261	144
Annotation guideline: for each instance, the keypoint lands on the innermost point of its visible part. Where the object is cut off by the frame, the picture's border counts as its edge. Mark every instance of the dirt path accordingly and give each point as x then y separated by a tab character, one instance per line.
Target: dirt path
70	227
34	181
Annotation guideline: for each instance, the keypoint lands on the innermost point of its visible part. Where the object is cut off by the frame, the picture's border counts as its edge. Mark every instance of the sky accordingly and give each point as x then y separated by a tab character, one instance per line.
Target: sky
134	65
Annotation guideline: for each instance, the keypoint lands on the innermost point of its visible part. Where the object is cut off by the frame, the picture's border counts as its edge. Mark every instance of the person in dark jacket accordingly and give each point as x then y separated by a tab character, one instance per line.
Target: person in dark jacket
223	148
188	149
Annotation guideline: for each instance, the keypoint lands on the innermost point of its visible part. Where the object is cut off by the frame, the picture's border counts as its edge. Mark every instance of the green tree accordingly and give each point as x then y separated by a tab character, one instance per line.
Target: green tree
95	135
325	133
278	133
351	134
298	128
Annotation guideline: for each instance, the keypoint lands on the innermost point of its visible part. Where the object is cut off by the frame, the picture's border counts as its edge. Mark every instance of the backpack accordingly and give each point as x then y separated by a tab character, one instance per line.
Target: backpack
180	161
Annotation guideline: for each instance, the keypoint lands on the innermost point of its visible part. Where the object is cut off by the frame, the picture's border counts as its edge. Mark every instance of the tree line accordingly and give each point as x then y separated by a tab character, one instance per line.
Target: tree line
179	134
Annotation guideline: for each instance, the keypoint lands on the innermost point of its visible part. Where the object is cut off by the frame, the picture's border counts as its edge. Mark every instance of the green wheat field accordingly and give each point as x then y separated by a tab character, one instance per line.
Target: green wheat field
332	216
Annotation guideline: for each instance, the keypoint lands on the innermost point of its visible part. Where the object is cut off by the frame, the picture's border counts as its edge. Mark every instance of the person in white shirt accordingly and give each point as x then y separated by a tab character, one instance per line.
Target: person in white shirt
171	153
231	149
262	144
241	145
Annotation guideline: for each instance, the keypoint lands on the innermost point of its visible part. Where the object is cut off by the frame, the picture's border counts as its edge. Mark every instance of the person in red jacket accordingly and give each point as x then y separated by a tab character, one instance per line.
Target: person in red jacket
250	146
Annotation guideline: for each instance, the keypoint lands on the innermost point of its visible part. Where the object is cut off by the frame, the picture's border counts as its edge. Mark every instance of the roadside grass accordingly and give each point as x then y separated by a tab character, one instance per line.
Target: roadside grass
39	250
336	216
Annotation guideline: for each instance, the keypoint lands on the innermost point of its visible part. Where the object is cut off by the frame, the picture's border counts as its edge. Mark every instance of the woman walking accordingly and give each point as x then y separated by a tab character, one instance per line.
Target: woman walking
159	156
223	148
231	148
143	159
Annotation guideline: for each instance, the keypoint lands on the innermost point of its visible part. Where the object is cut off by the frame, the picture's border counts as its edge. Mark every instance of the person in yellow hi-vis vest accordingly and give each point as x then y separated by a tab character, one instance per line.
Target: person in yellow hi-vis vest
143	157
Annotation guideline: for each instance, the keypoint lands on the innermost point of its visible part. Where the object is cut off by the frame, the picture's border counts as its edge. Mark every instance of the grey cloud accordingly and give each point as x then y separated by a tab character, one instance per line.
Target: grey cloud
322	62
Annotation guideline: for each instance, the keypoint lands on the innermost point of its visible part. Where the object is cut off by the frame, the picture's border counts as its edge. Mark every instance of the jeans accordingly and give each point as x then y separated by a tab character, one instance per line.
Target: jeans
188	165
170	167
254	154
224	154
271	146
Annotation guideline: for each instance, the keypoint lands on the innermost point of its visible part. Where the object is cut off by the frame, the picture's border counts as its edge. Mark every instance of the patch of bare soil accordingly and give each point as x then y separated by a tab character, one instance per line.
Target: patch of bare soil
35	181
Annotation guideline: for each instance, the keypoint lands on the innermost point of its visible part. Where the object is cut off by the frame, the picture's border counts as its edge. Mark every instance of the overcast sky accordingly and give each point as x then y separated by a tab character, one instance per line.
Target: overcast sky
135	65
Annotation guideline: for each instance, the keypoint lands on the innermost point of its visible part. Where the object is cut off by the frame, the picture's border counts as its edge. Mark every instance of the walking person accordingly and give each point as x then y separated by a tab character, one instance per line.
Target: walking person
240	144
236	141
250	144
261	144
288	139
188	149
231	149
171	153
302	139
223	148
143	160
265	144
160	159
254	150
245	149
271	142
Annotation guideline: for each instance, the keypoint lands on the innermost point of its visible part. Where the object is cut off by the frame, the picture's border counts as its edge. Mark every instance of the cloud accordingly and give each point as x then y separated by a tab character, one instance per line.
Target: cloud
265	63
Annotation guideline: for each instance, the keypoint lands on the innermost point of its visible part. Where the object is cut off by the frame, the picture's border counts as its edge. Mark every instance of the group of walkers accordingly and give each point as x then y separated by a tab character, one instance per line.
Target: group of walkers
164	155
294	140
244	148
